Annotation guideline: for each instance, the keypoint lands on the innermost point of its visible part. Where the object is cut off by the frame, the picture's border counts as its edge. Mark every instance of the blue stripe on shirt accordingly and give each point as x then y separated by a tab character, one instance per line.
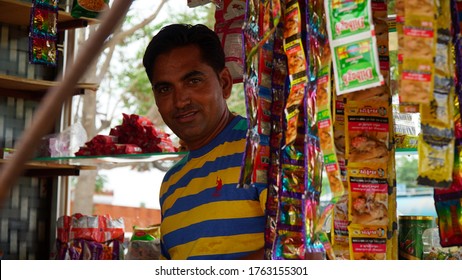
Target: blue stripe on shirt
216	228
229	192
203	171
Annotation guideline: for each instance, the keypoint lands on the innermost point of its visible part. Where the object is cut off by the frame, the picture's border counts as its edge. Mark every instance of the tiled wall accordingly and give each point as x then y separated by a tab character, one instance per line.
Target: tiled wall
25	220
14	55
15	116
26	213
25	216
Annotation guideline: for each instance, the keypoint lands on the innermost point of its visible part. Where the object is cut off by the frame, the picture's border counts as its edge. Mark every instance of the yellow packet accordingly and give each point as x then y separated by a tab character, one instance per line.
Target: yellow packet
368	125
368	202
368	242
436	159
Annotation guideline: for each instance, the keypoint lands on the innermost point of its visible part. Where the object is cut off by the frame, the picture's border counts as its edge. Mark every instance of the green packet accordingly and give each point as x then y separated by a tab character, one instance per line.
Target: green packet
88	8
353	43
356	65
145	234
348	18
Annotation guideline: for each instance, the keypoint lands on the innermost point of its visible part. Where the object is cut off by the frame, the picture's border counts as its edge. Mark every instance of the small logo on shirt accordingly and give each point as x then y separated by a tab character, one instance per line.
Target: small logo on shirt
218	187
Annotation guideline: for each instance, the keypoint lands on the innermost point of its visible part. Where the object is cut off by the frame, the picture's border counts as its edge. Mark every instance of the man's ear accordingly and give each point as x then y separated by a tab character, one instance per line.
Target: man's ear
226	82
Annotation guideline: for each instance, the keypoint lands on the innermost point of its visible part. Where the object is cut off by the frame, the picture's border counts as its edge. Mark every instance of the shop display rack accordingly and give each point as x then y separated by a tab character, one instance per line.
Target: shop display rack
18	13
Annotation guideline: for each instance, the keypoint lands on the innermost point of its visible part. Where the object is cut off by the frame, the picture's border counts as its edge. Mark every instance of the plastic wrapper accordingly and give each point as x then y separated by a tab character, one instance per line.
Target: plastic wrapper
353	46
406	131
81	237
368	131
88	8
436	158
50	3
96	228
368	195
43	51
274	182
229	19
418	49
143	250
436	143
449	209
297	70
368	242
340	236
370	169
63	144
44	21
144	244
135	135
432	249
448	204
326	131
43	32
380	21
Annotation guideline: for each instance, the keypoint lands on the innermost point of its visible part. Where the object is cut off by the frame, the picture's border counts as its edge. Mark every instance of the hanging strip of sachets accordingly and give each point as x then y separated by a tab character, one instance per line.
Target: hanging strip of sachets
43	32
419	38
291	239
404	107
436	141
320	147
353	44
277	113
381	23
340	237
363	120
448	202
320	85
229	18
264	112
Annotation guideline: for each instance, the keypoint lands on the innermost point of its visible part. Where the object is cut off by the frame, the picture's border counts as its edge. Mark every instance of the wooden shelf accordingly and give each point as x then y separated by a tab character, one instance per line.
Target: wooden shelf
28	88
47	169
18	13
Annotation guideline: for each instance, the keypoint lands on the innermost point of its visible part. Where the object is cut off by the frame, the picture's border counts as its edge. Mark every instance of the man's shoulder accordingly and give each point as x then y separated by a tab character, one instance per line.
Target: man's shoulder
239	123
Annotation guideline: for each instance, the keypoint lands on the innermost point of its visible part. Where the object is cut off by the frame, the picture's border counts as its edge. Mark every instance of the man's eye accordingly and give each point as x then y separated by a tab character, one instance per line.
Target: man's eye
162	89
194	81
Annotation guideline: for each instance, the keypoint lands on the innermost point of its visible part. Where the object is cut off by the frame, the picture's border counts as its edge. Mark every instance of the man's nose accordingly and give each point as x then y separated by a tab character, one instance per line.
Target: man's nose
182	98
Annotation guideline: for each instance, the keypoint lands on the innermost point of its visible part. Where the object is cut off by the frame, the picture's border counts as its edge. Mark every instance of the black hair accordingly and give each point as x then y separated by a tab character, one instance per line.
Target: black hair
180	35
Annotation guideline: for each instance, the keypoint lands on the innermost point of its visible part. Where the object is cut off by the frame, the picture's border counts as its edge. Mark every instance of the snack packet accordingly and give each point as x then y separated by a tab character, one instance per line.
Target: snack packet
88	8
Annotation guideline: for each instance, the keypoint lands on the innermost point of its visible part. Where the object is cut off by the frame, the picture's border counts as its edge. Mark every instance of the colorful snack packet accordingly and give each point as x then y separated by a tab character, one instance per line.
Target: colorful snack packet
88	8
368	242
43	33
368	194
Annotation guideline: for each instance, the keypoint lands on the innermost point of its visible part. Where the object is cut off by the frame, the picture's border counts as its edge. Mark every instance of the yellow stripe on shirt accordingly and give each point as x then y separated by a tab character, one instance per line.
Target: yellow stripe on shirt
217	245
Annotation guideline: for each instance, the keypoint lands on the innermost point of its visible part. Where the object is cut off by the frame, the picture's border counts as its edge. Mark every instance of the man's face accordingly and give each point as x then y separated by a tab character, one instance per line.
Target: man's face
191	98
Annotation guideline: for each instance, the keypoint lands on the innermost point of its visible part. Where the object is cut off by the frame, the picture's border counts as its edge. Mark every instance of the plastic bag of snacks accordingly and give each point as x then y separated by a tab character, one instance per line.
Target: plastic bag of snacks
88	8
144	244
83	237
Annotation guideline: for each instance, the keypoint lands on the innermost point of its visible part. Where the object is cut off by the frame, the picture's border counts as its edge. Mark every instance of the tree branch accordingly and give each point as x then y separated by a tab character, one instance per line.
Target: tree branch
122	35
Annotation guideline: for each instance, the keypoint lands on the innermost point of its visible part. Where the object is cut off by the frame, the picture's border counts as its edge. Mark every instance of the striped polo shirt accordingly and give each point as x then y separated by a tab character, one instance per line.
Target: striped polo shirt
204	214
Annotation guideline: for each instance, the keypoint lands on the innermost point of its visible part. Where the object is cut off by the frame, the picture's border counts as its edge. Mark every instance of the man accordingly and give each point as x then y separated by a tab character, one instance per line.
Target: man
204	214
